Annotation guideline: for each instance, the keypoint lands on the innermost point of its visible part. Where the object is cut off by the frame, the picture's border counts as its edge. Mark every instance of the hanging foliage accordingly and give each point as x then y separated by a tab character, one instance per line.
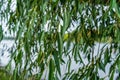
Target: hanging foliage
53	33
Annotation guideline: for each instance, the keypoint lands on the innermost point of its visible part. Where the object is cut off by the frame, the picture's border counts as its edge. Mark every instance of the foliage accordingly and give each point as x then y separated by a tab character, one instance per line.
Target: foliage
43	37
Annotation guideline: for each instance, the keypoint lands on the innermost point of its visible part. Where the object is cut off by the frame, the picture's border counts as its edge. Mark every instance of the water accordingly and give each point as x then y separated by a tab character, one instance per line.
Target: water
5	53
5	46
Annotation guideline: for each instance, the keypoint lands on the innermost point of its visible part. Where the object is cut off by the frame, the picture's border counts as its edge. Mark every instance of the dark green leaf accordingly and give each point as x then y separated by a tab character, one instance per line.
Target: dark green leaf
1	33
102	66
51	70
106	57
57	61
60	44
112	75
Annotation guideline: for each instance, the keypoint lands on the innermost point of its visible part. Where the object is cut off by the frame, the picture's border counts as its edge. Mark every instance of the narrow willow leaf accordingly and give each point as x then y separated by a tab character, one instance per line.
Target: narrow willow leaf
1	33
85	48
89	72
42	71
42	34
51	69
57	62
115	6
76	52
40	56
73	77
80	58
56	77
19	32
27	47
66	22
69	64
68	44
19	56
96	77
118	65
44	6
60	44
111	69
62	60
15	74
112	75
117	34
106	57
102	66
54	0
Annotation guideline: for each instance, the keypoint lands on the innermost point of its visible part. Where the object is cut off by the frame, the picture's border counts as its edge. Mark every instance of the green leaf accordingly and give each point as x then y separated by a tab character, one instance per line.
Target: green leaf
42	34
68	44
112	75
102	66
106	57
69	64
57	61
51	69
60	44
80	58
19	56
118	65
115	6
66	21
54	0
19	32
1	33
62	60
27	46
117	34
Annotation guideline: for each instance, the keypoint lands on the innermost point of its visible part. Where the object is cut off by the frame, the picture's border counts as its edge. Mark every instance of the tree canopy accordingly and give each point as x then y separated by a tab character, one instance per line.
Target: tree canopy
48	31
